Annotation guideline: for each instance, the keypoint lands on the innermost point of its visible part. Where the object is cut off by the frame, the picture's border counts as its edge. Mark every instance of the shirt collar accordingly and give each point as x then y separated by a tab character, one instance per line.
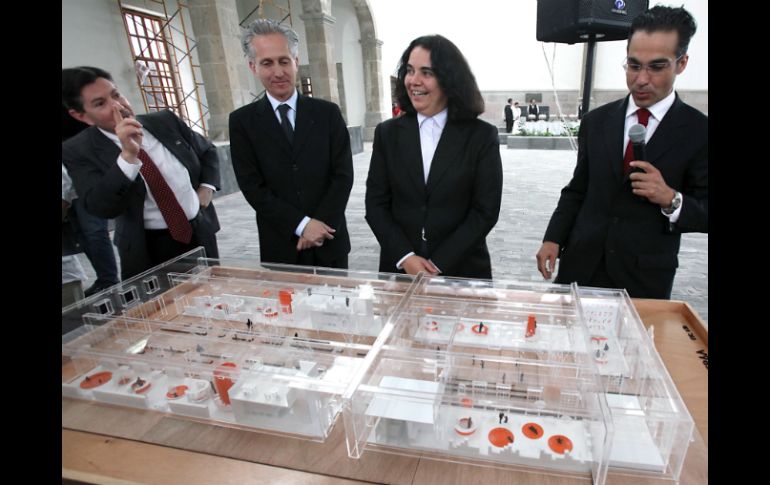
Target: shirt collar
440	118
292	101
658	110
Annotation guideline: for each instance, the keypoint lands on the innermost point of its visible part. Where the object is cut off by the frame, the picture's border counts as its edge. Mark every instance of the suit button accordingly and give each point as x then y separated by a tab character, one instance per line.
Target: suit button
612	251
295	167
423	208
615	220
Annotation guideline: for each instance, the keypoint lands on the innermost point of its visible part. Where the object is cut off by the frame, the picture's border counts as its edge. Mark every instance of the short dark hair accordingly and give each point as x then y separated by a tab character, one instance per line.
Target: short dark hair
74	79
510	99
454	76
69	125
666	19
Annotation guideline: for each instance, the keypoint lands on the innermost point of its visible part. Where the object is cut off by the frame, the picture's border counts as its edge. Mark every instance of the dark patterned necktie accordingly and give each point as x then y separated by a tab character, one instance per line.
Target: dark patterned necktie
643	115
285	123
172	212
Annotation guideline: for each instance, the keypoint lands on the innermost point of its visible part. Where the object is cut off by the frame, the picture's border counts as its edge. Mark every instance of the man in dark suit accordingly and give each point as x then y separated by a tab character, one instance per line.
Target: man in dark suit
151	173
509	116
619	220
435	179
92	232
291	156
533	110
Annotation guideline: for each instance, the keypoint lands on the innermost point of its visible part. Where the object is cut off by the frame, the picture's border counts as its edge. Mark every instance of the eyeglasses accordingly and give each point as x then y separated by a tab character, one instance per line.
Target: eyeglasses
657	67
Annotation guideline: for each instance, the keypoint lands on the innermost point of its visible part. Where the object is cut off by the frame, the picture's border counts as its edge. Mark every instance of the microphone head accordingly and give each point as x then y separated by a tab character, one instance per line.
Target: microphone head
637	133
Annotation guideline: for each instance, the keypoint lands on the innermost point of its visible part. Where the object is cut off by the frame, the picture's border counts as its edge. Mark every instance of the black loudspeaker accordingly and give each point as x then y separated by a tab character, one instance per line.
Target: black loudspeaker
574	21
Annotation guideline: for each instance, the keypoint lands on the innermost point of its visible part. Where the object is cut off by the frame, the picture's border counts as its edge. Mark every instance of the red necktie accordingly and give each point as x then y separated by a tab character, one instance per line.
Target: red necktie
172	212
643	115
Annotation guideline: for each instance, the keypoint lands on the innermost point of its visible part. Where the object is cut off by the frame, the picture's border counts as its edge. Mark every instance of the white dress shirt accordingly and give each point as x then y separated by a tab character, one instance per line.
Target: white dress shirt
430	133
176	175
431	128
292	115
657	112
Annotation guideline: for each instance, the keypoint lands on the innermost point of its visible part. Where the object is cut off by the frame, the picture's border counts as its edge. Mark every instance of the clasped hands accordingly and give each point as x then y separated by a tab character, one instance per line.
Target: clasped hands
414	264
314	234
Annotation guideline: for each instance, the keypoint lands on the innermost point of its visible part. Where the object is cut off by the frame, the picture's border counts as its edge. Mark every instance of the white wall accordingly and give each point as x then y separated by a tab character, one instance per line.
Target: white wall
93	35
347	50
498	39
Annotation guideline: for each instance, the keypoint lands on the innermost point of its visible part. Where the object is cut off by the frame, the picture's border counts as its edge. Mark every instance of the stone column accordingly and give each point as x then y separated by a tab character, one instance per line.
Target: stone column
319	35
376	112
223	67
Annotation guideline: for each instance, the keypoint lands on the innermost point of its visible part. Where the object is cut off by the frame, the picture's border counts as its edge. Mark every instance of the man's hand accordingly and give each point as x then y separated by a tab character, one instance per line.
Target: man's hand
650	184
316	232
303	244
414	264
546	258
129	132
205	194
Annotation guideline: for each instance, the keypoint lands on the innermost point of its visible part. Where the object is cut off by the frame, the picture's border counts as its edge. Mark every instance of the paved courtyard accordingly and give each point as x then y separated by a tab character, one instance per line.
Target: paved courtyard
532	181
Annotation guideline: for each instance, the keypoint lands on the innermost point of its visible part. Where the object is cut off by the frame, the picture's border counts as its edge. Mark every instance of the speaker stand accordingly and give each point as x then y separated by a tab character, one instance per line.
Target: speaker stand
589	70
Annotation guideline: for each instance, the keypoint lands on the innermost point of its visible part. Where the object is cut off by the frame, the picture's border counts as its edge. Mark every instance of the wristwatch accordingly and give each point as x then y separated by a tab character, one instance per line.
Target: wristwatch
675	203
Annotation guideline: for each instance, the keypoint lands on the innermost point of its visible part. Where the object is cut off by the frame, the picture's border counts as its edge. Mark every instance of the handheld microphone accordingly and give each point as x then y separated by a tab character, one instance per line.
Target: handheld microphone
636	135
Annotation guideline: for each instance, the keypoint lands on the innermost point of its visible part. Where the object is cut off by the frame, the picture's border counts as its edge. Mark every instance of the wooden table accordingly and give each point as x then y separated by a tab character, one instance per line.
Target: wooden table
116	445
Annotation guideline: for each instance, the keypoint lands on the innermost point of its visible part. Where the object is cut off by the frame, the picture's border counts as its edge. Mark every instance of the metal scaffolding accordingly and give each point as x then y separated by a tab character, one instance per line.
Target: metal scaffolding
270	9
165	58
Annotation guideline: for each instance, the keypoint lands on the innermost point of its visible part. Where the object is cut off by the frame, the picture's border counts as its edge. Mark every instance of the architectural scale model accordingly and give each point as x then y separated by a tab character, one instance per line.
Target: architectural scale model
525	376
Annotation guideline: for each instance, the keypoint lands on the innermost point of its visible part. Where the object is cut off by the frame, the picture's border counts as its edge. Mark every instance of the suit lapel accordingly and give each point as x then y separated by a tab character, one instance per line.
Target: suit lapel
409	148
614	149
303	123
169	139
267	121
105	150
448	149
668	132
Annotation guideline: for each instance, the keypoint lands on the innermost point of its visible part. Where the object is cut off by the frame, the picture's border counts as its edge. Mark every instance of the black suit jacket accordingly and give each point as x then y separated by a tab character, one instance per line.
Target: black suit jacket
283	183
458	206
91	160
598	215
508	114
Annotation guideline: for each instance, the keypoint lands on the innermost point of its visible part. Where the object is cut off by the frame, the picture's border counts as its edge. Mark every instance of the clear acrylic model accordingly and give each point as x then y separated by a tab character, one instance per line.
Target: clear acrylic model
497	374
559	379
272	350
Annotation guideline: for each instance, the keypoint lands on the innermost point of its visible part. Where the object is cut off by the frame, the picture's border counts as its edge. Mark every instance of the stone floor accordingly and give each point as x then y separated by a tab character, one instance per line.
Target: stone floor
532	181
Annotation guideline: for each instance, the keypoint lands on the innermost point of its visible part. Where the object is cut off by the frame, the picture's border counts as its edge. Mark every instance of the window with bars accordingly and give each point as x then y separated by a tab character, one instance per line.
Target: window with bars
155	59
